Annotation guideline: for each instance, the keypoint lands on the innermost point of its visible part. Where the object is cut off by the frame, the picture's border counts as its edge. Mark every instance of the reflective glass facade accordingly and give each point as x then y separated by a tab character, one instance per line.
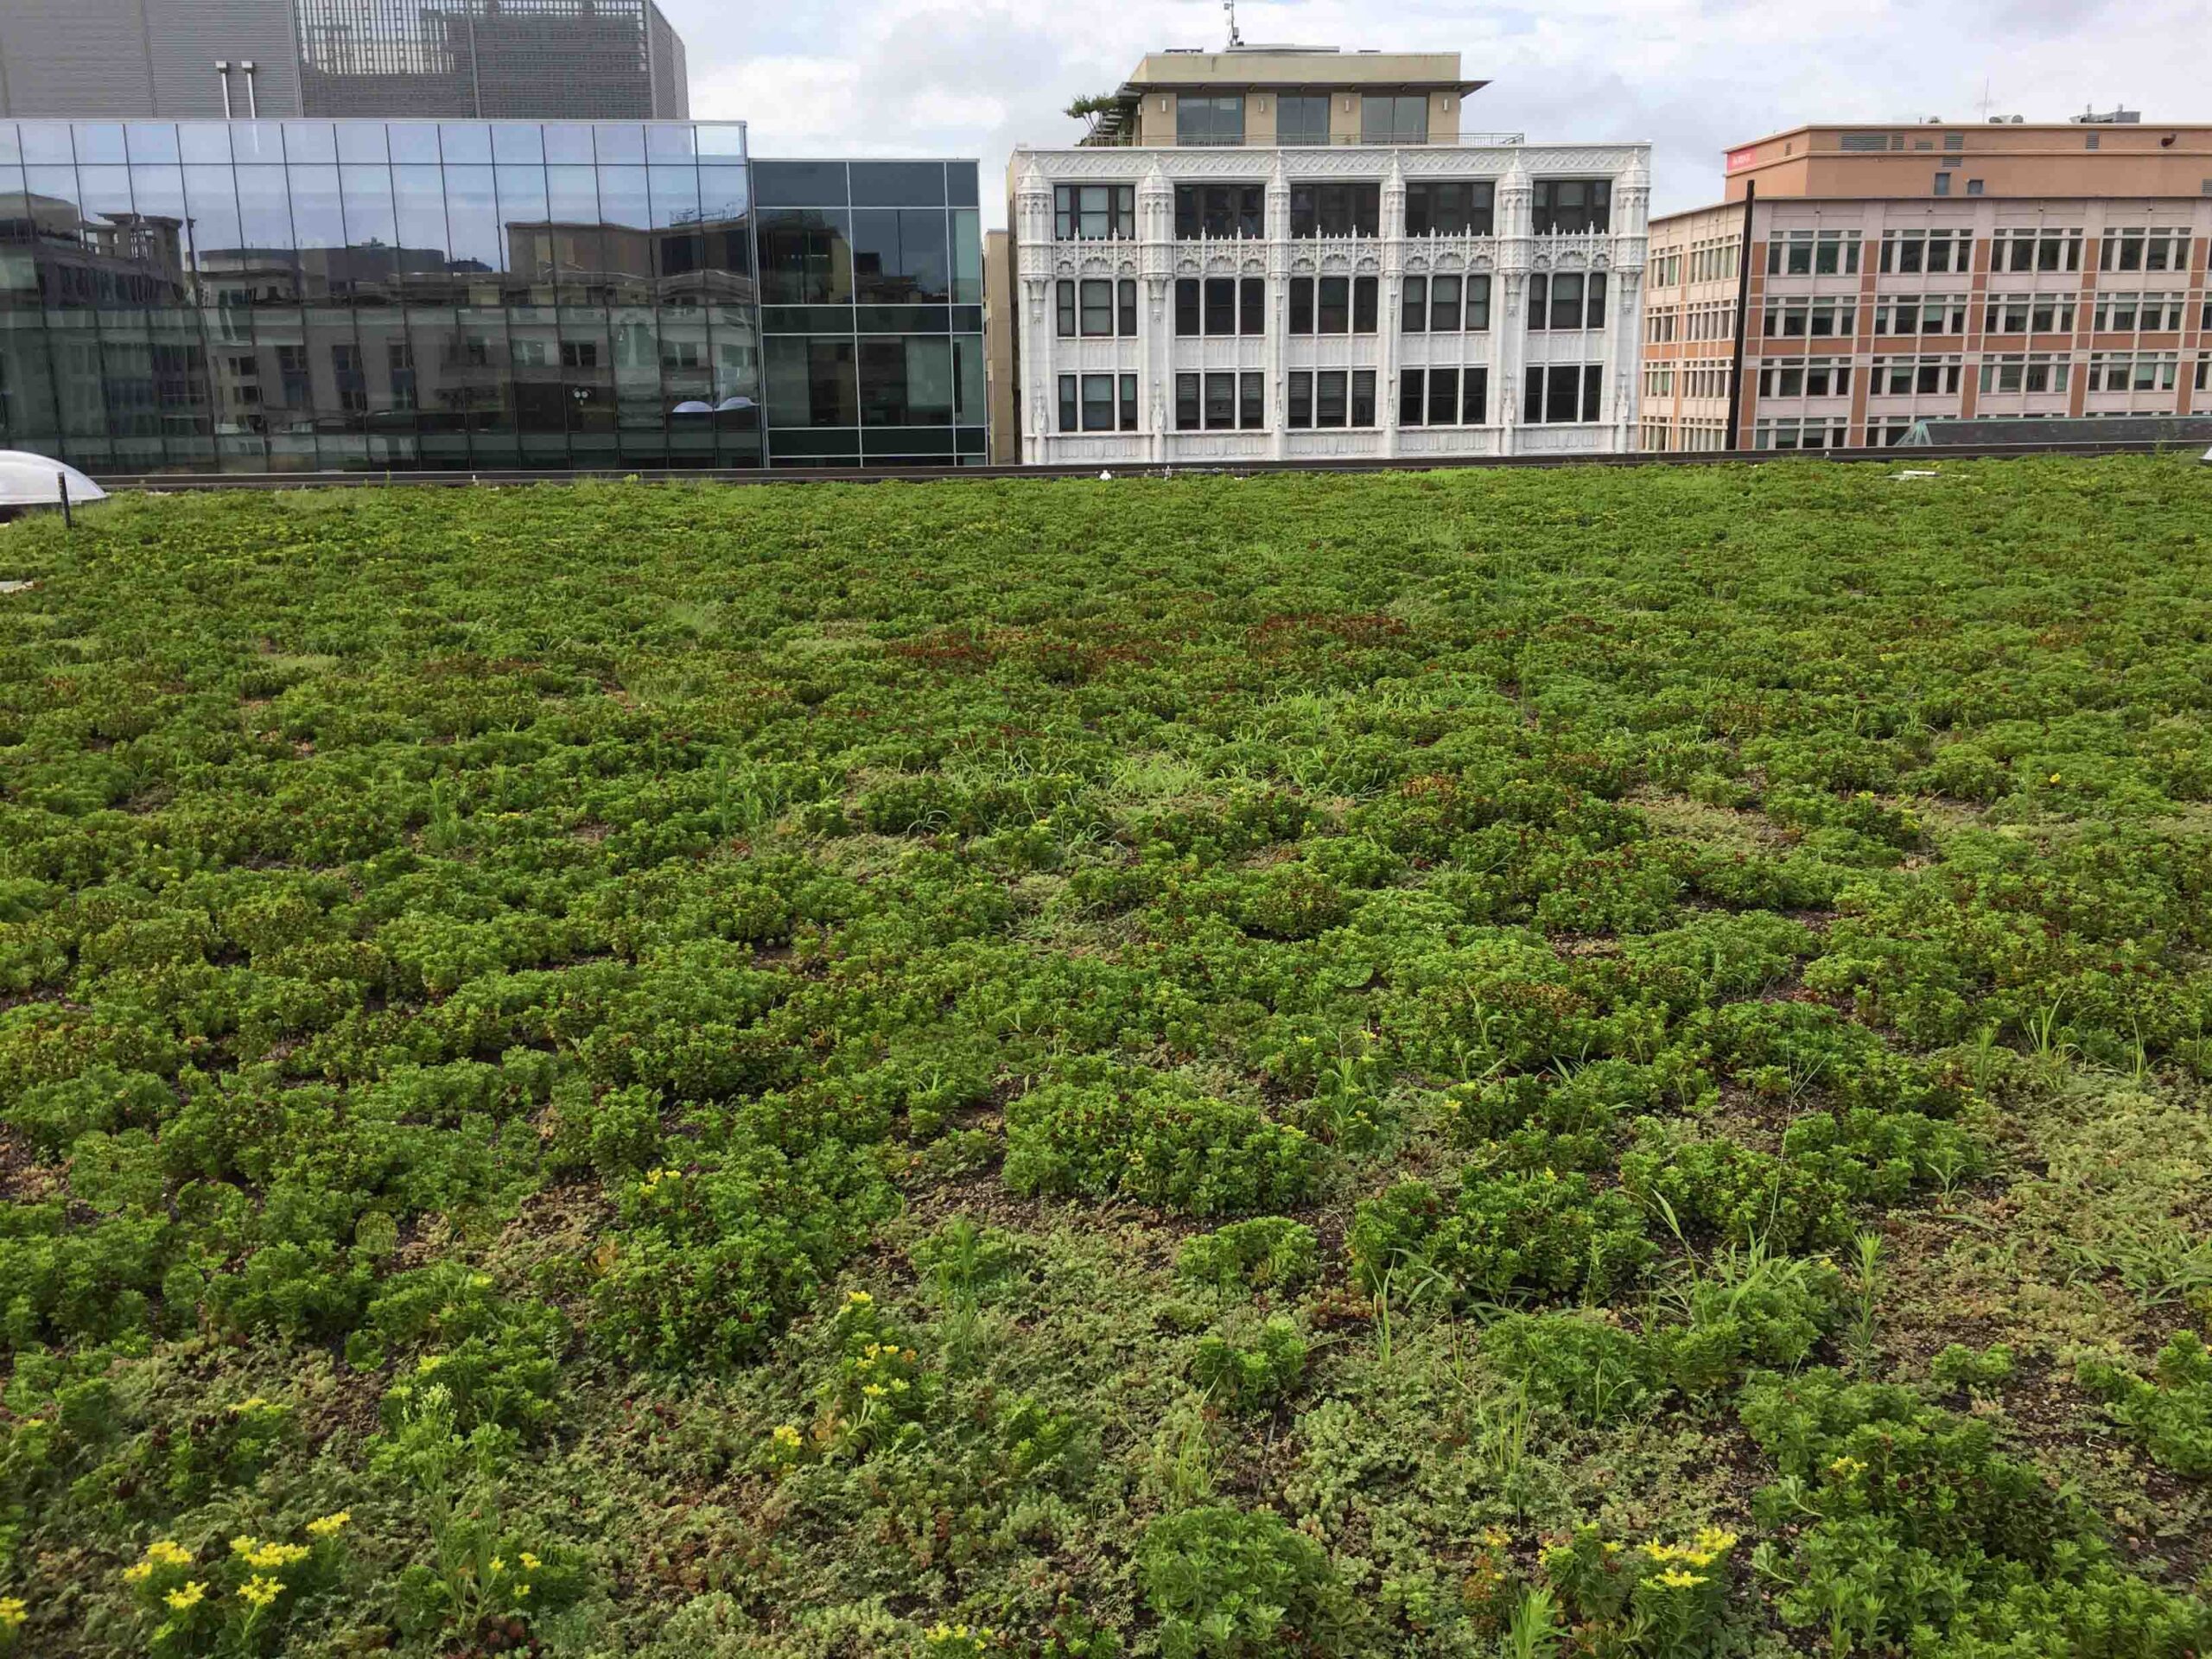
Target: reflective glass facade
872	312
323	296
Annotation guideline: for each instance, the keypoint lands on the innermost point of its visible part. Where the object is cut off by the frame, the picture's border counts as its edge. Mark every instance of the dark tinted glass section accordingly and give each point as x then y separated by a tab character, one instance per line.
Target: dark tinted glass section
1352	209
800	184
899	184
1572	205
1450	208
1219	210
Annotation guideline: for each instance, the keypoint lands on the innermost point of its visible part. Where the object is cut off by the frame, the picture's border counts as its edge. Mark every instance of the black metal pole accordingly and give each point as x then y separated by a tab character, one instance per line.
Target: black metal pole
1743	319
69	521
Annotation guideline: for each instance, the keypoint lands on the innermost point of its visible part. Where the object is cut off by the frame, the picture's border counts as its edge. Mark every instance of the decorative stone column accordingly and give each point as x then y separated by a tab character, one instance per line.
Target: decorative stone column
1032	211
1516	251
1391	280
1156	266
1631	245
1280	247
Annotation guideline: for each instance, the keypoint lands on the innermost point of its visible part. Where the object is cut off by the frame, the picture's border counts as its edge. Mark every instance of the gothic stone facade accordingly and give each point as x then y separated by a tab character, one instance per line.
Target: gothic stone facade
1510	383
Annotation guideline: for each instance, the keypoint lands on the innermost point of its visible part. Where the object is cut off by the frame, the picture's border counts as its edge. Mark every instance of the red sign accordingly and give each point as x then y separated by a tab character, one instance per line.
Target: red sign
1740	159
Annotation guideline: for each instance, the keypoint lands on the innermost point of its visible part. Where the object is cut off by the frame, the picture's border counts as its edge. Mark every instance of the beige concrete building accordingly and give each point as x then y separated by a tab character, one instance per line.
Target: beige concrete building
1283	252
1901	273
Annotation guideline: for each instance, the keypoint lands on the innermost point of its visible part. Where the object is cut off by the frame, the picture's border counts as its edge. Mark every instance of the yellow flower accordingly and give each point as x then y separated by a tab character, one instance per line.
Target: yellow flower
329	1524
521	1590
1847	1468
857	1298
1675	1578
259	1591
528	1562
874	1390
186	1600
429	1362
1713	1541
12	1612
261	1556
2054	777
786	1436
167	1552
498	1566
139	1573
243	1406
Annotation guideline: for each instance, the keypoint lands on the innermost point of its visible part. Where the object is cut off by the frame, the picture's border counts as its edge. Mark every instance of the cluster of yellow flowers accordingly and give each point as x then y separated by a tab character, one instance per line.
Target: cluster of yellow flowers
786	1436
961	1633
259	1591
329	1526
654	1178
1847	1468
1675	1578
256	1403
497	1567
1495	1538
163	1551
1708	1547
265	1557
13	1613
186	1597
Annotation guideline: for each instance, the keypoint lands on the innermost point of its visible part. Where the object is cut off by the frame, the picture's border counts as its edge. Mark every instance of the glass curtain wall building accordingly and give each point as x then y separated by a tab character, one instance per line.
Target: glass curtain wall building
872	312
320	295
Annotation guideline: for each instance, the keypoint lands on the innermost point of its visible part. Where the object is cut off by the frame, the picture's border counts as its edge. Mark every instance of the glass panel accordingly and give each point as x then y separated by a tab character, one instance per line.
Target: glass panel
366	197
960	184
806	257
669	142
464	141
414	140
619	143
158	192
100	142
517	142
317	221
897	184
259	142
419	209
811	382
48	141
675	196
967	257
473	218
362	143
724	141
11	148
151	141
724	193
309	141
265	209
800	184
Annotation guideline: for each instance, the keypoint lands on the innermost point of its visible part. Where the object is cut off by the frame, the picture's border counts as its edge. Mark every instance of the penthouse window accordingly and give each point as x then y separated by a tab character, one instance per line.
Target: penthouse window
1332	305
2029	313
2135	372
1445	305
1220	210
1394	118
1330	398
2035	250
1906	251
1570	206
1221	305
1336	209
1911	377
1214	119
2140	250
1094	213
1813	253
1302	118
1563	394
1568	299
1451	208
1822	432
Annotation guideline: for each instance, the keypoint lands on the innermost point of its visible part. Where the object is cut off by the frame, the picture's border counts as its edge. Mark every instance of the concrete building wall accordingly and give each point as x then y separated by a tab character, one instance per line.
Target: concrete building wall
1001	368
1937	162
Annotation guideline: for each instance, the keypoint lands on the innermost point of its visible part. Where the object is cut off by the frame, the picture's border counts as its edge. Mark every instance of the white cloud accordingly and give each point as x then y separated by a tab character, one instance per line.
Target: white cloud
944	77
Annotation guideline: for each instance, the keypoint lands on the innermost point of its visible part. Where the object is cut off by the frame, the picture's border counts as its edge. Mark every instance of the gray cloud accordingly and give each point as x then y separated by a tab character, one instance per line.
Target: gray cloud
976	77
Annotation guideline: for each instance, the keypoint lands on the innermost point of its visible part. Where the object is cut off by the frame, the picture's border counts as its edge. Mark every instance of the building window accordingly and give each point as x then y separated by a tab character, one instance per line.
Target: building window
2141	249
1973	186
2025	374
1572	205
1252	305
1071	409
1215	119
2135	372
1863	141
1221	403
1915	377
1333	305
1813	253
1219	210
2126	313
1094	213
1221	305
1187	305
1451	208
1821	432
1394	118
1943	188
1098	403
1815	377
1129	403
1097	307
1186	403
2026	314
1302	118
1064	292
1336	209
1331	398
1566	300
1928	313
1252	405
2035	250
1127	307
1904	252
1563	394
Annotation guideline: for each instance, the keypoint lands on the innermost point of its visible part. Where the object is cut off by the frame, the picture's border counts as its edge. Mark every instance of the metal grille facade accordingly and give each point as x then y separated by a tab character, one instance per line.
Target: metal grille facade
592	59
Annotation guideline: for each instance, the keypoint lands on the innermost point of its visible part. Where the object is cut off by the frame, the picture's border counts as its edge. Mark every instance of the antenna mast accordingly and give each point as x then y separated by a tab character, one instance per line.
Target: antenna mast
1235	38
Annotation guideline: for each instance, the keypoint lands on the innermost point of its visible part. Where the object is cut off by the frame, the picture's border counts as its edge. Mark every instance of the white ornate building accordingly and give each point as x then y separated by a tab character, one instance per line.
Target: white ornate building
1209	300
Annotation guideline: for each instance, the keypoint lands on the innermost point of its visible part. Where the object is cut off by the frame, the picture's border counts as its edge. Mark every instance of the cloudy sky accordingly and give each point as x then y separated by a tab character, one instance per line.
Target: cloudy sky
975	77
